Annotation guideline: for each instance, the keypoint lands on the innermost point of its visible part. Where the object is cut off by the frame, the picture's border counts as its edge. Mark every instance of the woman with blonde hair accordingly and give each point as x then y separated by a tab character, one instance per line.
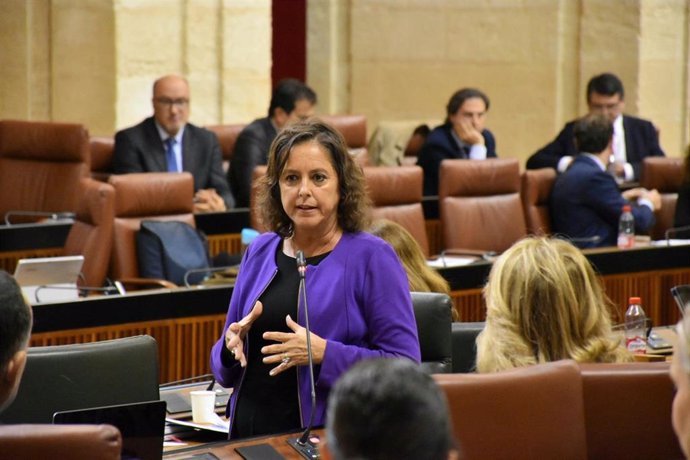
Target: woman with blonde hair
545	303
421	277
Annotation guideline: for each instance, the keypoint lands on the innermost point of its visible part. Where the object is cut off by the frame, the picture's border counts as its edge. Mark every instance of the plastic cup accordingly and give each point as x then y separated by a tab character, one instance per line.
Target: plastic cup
203	406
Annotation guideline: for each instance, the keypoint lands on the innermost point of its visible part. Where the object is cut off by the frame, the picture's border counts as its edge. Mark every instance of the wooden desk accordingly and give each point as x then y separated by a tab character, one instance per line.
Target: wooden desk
226	450
187	322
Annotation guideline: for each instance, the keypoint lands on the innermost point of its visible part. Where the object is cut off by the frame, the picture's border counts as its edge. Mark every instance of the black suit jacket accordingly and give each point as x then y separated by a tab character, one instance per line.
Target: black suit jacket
441	145
251	150
140	149
641	140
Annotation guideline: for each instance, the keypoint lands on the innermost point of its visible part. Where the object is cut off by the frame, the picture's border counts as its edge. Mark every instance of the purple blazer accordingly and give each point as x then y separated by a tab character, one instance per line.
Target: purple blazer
359	301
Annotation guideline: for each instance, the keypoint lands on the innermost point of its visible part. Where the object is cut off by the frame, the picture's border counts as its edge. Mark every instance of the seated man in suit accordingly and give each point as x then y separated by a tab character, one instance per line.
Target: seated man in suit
167	142
586	202
388	408
462	136
291	101
633	138
15	328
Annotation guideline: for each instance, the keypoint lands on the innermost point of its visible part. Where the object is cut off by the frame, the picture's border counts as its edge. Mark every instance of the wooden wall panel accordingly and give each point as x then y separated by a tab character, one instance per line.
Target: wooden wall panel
227	242
184	344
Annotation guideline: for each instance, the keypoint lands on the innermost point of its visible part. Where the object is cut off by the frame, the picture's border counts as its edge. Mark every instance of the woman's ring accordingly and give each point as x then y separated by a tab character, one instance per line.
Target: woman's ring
286	359
232	352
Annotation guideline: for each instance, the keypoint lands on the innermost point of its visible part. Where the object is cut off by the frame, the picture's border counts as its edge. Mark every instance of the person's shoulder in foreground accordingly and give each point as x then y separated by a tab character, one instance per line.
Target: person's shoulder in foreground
15	329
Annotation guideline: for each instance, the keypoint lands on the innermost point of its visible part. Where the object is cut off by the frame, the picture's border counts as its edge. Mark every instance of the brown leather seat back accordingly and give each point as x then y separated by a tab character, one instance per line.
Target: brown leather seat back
628	411
254	214
92	232
68	442
354	130
227	137
480	204
144	196
41	164
396	195
101	150
665	175
535	193
525	413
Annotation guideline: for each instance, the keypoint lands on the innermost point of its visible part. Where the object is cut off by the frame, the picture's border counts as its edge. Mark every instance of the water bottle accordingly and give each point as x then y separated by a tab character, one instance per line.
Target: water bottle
635	327
626	228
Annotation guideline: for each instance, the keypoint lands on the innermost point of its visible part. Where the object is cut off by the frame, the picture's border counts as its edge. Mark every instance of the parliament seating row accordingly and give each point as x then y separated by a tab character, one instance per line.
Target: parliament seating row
564	410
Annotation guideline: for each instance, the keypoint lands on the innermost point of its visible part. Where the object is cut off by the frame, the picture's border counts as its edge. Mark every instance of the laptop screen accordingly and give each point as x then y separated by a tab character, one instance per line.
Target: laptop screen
49	279
142	426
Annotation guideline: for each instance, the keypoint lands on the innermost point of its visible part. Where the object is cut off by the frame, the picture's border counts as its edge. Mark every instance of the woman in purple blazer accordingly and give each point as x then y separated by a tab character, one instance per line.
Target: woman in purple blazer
313	199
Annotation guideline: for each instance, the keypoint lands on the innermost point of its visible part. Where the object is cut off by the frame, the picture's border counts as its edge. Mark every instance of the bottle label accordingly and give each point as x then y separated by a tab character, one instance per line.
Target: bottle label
626	241
636	344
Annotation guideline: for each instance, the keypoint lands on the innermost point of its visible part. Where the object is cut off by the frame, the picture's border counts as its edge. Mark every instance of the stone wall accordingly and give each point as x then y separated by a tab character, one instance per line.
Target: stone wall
93	61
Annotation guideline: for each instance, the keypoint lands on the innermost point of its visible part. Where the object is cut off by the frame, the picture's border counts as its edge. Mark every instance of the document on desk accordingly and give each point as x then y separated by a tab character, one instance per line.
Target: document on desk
219	426
451	261
670	242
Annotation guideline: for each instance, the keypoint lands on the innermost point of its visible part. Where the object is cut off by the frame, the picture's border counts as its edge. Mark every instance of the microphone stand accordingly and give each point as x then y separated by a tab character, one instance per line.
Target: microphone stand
303	444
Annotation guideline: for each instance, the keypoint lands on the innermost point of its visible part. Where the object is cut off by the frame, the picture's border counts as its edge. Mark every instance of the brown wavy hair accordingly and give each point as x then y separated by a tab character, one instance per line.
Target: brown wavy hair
353	208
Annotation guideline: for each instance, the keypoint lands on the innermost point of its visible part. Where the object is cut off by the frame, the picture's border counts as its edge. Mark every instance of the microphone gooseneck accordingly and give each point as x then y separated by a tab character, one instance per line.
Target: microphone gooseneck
303	444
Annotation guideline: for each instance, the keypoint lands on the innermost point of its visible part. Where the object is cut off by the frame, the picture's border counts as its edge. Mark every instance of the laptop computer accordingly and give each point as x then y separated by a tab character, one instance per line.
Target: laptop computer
49	279
142	426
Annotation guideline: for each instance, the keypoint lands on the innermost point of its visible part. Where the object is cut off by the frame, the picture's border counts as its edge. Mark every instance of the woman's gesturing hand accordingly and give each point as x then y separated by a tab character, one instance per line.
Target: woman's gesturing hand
291	349
234	336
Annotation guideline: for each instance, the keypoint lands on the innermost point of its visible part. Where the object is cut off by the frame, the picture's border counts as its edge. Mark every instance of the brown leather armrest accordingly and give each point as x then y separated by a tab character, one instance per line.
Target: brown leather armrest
69	442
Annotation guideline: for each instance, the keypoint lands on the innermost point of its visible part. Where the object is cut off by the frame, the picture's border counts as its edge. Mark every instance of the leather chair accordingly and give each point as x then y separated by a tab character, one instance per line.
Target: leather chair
396	195
480	205
66	442
354	130
146	196
254	215
628	411
464	344
227	137
91	234
532	412
665	175
45	158
433	315
536	193
101	151
78	376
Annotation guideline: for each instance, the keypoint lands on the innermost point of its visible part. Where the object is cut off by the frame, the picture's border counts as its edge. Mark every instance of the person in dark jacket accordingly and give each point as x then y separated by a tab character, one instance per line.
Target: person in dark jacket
633	138
462	136
291	101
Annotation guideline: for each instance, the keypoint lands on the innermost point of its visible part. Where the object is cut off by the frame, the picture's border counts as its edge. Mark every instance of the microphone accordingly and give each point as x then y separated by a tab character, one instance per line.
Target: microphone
54	216
672	230
303	445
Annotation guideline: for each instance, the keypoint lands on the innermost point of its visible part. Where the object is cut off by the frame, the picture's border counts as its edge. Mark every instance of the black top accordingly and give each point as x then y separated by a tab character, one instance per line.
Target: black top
269	405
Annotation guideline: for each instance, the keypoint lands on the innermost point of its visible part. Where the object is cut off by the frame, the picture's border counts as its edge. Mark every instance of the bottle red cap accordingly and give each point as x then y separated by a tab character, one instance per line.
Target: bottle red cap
635	300
627	208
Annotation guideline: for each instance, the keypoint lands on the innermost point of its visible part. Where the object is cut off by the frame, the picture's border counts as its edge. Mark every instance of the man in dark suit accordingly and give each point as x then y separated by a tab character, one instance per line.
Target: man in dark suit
586	203
167	142
291	101
462	136
633	138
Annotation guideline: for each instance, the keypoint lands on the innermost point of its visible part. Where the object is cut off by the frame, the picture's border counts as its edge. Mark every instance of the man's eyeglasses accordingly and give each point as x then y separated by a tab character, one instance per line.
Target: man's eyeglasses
170	103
